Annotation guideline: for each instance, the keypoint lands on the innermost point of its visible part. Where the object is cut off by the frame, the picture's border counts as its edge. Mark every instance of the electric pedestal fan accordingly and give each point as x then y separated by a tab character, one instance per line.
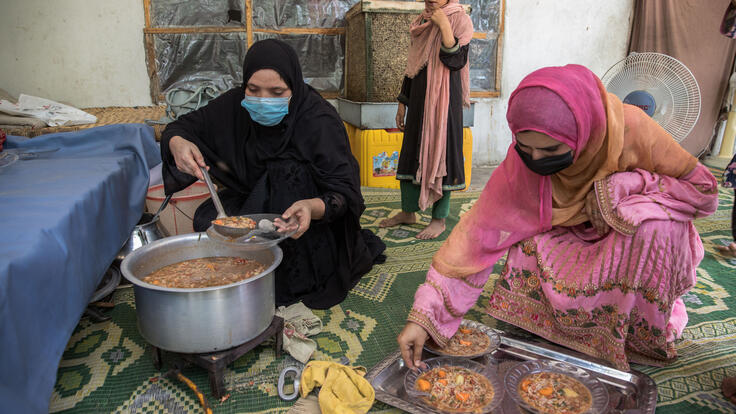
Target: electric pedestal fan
661	86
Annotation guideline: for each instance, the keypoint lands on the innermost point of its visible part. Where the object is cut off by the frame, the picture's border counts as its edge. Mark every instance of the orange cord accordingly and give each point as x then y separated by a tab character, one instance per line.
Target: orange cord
193	387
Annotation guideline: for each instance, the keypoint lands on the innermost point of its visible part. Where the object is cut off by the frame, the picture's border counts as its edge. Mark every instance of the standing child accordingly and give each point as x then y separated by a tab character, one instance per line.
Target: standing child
435	89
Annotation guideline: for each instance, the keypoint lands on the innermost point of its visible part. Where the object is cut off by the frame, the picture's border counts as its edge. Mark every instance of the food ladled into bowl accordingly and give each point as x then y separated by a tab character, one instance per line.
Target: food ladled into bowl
553	393
455	385
455	389
238	222
549	386
467	341
471	340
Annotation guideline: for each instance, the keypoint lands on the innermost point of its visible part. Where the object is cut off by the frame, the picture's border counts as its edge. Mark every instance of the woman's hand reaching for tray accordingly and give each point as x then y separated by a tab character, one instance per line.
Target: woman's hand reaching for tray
411	343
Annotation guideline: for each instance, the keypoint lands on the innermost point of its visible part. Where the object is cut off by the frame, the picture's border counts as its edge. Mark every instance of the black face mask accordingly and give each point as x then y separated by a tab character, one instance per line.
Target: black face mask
546	165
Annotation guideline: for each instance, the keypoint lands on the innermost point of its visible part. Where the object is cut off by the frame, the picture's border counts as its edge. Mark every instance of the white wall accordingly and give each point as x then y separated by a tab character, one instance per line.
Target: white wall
542	33
85	53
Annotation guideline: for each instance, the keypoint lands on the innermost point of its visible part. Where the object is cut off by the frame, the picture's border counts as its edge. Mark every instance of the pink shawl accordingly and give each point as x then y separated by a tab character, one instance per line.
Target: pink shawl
426	40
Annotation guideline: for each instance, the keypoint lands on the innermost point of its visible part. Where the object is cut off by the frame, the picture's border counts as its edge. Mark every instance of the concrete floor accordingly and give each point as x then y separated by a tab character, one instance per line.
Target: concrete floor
715	161
479	177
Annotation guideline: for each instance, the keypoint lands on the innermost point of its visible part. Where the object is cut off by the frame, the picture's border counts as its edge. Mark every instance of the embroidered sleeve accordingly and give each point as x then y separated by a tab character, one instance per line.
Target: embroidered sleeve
608	209
425	322
441	302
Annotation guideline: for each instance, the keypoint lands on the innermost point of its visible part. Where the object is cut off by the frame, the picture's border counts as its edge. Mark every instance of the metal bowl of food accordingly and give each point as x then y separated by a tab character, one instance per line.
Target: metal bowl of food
265	235
472	340
455	385
546	386
201	319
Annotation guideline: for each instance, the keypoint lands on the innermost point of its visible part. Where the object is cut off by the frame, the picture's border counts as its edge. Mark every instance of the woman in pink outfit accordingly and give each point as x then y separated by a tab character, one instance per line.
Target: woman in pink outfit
594	206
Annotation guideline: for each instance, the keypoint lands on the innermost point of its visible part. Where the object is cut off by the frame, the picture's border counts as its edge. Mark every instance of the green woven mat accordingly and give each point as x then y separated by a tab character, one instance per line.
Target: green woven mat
107	366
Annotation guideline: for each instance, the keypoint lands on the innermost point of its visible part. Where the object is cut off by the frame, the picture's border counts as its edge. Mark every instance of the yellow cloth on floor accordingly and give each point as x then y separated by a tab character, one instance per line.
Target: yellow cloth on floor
344	390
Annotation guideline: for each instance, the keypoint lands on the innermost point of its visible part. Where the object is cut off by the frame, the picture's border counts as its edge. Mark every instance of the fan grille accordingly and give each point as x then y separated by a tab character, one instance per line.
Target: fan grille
668	80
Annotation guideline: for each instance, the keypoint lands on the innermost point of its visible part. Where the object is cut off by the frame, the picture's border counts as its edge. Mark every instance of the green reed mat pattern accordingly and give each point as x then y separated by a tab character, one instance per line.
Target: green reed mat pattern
107	367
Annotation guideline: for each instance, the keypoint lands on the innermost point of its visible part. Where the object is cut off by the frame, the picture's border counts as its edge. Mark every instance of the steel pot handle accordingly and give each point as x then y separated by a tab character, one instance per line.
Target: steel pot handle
142	236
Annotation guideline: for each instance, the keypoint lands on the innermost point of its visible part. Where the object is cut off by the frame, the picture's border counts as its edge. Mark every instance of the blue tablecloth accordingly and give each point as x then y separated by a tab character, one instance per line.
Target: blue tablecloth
63	219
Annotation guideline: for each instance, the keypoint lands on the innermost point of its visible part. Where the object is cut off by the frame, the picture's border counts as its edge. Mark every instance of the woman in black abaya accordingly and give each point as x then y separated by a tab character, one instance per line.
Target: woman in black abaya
279	147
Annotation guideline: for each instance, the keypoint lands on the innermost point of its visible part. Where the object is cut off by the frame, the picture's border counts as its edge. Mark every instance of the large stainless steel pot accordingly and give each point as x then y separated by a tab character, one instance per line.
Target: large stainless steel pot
205	319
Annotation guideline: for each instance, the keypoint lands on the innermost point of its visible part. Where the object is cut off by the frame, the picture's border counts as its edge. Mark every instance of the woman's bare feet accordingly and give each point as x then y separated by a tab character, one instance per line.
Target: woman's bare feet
729	250
433	229
728	387
400	218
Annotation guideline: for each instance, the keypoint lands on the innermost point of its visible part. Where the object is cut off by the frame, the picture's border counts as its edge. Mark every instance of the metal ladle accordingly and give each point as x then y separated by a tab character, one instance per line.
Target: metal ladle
162	207
227	231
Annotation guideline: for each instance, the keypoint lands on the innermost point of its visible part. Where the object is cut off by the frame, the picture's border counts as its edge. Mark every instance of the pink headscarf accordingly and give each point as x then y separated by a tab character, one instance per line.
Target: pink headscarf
426	40
516	203
541	110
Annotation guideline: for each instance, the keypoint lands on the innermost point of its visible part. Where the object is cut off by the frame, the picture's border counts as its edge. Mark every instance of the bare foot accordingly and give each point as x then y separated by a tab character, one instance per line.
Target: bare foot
728	387
729	250
400	218
434	229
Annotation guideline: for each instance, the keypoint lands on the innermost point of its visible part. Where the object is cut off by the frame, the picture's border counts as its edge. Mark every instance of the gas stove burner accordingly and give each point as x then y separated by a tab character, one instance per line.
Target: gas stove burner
215	362
109	282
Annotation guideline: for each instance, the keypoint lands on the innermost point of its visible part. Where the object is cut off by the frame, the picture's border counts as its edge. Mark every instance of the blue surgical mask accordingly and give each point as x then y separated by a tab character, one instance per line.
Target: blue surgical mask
266	111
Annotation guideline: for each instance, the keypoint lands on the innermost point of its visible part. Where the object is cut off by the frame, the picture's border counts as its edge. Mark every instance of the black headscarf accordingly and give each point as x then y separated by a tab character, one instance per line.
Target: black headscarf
236	148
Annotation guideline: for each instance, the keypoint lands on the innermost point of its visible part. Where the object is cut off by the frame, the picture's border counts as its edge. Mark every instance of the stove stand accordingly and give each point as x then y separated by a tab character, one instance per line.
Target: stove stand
216	362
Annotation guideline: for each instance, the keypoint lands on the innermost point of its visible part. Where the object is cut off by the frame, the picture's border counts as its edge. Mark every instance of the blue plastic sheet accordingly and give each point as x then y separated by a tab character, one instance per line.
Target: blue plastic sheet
64	217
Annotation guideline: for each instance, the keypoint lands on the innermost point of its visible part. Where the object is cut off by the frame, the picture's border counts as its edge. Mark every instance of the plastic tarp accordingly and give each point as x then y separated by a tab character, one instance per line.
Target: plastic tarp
167	13
321	56
483	64
64	218
190	59
485	16
277	14
196	57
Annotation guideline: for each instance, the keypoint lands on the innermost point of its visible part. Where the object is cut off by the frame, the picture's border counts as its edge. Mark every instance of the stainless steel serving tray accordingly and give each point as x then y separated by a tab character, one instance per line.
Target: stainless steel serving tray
630	392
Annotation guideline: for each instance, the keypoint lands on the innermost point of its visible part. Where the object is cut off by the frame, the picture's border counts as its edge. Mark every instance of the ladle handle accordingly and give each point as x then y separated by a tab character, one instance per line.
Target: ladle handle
213	193
162	206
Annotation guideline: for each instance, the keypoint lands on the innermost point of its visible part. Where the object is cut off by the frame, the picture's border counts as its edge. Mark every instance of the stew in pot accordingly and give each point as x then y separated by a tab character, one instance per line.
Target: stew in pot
205	272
